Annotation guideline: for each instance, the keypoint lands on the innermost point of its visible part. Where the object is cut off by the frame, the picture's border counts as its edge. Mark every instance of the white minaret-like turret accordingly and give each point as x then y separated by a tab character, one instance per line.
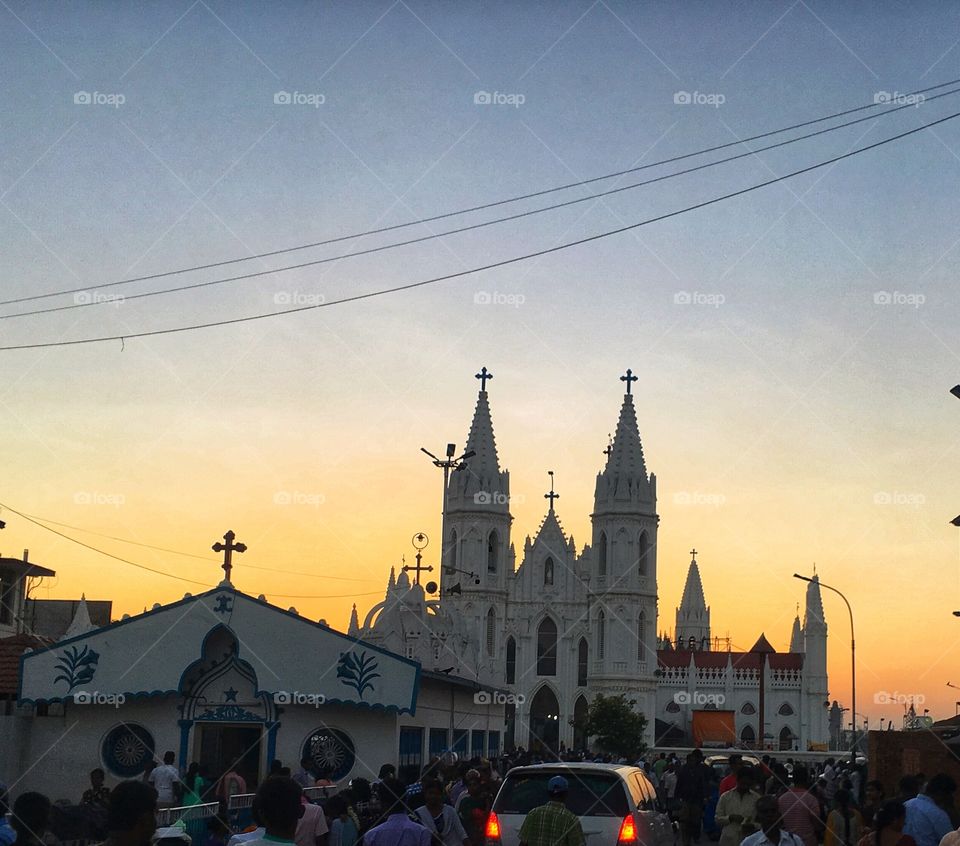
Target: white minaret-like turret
815	665
693	614
623	569
796	635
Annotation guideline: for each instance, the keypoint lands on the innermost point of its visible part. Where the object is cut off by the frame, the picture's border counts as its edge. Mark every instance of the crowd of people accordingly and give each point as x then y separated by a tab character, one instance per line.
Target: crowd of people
744	802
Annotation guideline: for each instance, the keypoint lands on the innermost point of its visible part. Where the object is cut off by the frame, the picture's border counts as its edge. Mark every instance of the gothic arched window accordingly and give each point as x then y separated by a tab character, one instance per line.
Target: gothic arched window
511	668
643	551
547	648
748	709
452	550
548	571
582	655
602	555
491	631
641	636
601	633
785	710
493	545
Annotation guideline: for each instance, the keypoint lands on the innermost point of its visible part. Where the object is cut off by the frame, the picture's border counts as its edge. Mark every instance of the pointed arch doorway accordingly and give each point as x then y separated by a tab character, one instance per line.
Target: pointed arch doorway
544	721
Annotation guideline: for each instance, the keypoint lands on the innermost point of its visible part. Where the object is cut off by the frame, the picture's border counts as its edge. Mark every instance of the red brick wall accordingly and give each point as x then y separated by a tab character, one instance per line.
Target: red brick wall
891	754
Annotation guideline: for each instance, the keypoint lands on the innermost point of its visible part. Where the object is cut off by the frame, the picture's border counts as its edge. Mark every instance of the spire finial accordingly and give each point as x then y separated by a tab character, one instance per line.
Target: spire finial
483	376
551	496
693	556
628	378
228	548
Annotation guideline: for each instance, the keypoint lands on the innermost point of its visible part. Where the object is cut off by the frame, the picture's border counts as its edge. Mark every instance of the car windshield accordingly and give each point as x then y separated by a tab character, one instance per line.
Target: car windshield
590	795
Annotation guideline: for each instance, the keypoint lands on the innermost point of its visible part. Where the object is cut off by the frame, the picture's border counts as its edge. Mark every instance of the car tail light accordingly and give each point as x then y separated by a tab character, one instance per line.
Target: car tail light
628	830
492	832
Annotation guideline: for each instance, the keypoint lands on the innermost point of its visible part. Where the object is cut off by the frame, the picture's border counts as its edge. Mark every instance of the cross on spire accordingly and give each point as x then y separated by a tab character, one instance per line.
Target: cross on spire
551	496
628	378
420	541
483	376
693	553
228	549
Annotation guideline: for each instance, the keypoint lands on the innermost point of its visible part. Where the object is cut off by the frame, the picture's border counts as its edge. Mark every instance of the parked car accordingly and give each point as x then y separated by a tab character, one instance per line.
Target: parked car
616	803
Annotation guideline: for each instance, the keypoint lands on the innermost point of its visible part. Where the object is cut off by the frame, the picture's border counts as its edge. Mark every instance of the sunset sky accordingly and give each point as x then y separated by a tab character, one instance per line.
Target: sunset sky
795	347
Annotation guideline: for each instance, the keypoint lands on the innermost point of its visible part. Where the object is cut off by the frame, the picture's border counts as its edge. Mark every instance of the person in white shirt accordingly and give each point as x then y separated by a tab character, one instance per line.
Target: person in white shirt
439	818
164	778
771	833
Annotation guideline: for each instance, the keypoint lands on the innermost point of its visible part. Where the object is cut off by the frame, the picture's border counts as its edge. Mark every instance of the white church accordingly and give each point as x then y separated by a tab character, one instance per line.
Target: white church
565	624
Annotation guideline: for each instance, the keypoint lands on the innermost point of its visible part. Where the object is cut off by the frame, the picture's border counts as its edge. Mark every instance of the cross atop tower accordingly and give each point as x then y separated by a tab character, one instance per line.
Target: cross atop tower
483	376
551	496
420	541
693	556
228	549
628	378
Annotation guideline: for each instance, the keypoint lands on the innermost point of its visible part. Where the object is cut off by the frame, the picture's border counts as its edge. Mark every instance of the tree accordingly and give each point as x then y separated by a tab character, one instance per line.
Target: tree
615	726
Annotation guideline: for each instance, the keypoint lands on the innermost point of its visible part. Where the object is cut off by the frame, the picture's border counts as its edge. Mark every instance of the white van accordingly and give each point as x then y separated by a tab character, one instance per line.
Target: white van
616	803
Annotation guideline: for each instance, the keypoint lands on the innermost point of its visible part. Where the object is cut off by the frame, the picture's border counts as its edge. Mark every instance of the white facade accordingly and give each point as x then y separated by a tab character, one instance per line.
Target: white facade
558	626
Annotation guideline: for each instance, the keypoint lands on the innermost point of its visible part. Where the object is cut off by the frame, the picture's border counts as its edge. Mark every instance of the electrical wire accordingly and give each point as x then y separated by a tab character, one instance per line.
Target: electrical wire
435	235
481	207
493	265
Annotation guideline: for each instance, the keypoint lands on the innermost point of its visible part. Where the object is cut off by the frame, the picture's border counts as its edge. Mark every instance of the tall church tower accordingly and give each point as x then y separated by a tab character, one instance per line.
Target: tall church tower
478	560
623	570
815	690
693	616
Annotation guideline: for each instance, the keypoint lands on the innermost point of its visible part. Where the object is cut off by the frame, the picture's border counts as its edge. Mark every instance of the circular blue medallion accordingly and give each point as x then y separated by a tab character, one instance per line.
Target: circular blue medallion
331	751
126	749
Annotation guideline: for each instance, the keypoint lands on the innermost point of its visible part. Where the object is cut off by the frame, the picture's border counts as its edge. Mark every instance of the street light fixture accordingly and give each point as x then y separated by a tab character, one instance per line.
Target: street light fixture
446	464
853	663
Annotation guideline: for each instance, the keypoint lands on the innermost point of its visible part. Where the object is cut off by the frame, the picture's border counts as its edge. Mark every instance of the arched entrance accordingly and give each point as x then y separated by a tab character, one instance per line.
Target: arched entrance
544	721
786	739
580	710
748	737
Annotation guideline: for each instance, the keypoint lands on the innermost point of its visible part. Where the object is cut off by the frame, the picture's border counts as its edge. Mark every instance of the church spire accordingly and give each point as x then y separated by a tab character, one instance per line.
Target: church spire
796	636
354	628
624	480
81	623
478	480
813	619
693	614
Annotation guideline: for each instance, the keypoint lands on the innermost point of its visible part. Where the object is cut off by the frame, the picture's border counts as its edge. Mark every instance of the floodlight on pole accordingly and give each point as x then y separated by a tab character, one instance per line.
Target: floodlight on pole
853	663
446	464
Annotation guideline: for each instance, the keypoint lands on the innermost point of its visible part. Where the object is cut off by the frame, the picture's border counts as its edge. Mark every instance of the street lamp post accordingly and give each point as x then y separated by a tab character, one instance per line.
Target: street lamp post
446	464
853	665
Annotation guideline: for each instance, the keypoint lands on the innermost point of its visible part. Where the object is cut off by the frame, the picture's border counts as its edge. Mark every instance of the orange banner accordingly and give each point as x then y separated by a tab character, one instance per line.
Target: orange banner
712	728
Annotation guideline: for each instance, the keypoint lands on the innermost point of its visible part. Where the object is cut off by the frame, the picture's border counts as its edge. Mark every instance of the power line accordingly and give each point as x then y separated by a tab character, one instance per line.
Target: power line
246	566
458	230
493	265
481	207
170	575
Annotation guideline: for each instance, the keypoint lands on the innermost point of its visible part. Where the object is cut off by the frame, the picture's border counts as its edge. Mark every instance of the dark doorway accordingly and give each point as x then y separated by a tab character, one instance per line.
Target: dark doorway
224	747
544	721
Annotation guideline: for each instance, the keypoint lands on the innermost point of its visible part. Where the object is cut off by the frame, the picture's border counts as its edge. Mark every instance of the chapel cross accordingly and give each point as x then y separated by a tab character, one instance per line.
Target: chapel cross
483	376
551	496
693	552
417	568
228	549
628	379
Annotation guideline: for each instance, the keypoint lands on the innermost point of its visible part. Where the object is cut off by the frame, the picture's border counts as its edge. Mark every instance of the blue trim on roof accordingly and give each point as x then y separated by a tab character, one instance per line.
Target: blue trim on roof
353	641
